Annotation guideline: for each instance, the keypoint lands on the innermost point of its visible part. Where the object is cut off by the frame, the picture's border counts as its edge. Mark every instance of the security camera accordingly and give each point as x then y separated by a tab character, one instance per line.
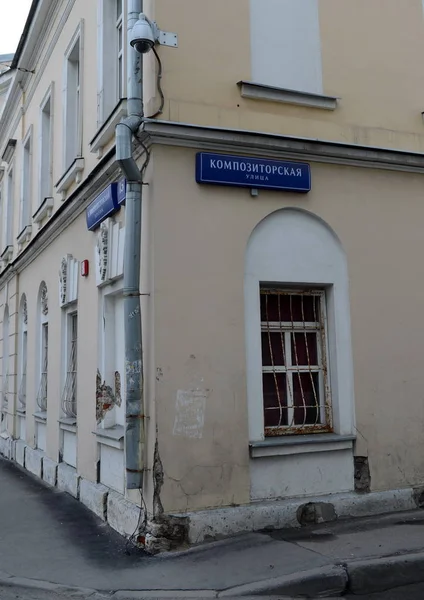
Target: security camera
143	35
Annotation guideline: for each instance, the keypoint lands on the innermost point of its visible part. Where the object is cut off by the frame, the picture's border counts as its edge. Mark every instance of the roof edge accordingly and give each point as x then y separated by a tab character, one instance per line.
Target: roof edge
23	38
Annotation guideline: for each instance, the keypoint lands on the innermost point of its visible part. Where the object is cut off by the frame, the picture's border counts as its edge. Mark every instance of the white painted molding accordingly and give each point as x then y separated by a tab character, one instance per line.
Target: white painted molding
106	132
261	144
296	445
24	236
258	91
71	175
44	210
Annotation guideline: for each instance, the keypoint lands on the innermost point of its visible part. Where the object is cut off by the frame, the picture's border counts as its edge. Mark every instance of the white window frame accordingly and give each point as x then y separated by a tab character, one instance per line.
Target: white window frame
285	330
2	204
107	337
275	253
42	353
46	140
111	58
8	216
73	98
23	353
5	360
26	181
69	398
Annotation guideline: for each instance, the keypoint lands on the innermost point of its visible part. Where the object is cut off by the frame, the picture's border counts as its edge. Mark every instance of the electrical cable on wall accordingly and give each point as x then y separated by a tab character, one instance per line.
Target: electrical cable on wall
159	85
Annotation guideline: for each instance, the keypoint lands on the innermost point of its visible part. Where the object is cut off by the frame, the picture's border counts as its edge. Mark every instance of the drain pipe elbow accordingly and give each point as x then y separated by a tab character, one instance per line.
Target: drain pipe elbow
124	157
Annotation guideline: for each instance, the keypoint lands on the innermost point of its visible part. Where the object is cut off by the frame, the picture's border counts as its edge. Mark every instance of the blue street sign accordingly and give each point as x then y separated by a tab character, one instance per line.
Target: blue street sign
102	207
243	171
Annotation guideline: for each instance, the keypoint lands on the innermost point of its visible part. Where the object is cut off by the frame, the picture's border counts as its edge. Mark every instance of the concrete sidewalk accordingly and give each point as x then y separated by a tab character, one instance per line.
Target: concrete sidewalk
48	538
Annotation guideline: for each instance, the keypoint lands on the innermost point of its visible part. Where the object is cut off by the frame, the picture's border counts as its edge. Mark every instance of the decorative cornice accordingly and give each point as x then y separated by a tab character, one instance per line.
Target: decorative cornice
270	145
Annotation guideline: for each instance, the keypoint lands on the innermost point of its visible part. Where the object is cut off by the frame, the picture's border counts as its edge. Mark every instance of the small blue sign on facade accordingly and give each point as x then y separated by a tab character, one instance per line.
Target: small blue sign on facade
243	171
122	191
102	207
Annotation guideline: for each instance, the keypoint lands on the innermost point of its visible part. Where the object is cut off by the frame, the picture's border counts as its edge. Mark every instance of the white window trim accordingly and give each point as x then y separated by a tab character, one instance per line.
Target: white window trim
269	93
107	59
9	205
78	37
44	210
42	370
5	359
67	315
26	182
48	96
23	354
107	365
323	266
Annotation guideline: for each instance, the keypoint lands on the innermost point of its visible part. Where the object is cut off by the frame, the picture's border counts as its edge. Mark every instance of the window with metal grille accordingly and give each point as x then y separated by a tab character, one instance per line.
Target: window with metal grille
22	385
296	395
42	390
69	396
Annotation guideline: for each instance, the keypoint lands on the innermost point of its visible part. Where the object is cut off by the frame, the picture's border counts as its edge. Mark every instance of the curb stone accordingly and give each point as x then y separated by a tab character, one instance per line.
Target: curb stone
328	580
380	574
358	577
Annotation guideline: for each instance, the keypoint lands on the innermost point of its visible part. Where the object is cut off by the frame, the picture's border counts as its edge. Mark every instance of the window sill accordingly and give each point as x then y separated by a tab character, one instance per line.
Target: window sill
258	91
71	175
24	236
44	210
40	416
111	436
68	424
106	131
6	255
301	444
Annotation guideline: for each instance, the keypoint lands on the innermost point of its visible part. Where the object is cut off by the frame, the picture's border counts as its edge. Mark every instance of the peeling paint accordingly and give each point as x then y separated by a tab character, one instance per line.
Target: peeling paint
106	398
190	413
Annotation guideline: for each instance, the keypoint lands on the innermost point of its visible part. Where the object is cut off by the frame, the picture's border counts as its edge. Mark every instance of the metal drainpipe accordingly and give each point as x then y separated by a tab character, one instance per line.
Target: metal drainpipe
134	407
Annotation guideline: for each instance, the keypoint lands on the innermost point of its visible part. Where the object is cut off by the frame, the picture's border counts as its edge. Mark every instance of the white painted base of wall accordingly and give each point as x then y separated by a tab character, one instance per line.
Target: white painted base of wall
112	468
224	522
41	432
124	516
21	427
299	475
70	448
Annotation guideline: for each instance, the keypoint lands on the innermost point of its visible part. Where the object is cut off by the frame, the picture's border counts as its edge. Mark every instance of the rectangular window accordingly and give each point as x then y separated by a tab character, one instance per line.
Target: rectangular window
8	217
46	131
25	206
111	75
286	44
119	46
44	365
296	397
23	369
69	395
73	123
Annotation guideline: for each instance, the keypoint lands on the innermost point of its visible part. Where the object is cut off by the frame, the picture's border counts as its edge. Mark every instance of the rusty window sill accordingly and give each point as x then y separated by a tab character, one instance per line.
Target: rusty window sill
301	444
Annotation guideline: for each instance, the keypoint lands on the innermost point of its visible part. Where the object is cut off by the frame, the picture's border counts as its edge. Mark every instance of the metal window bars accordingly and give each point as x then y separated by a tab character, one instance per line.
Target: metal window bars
22	389
5	394
42	389
69	396
296	394
22	386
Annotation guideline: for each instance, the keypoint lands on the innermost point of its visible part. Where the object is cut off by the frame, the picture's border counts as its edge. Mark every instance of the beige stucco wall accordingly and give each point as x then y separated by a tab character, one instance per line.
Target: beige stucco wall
75	240
369	60
200	239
